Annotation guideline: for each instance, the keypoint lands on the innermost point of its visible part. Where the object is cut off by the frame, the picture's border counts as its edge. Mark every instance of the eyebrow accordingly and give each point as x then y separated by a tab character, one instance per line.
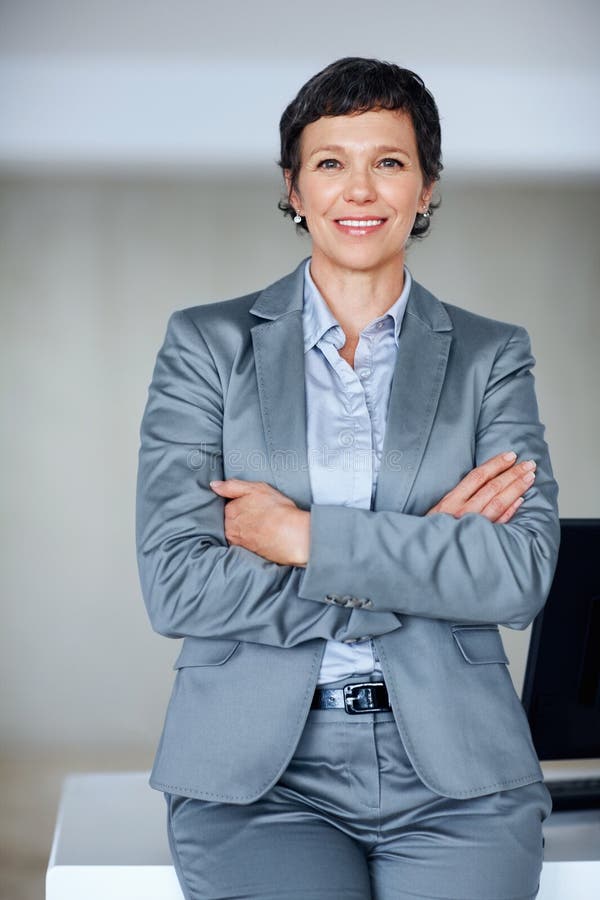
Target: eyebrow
337	148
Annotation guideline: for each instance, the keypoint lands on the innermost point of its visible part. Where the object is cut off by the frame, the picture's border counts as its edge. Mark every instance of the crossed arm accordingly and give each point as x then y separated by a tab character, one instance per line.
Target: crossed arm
265	521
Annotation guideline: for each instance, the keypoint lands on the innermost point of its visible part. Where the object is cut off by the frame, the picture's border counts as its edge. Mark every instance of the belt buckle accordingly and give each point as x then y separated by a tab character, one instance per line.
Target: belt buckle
350	698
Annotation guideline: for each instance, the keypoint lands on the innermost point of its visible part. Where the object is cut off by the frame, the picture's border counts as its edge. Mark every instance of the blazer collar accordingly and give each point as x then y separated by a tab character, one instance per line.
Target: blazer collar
281	297
287	295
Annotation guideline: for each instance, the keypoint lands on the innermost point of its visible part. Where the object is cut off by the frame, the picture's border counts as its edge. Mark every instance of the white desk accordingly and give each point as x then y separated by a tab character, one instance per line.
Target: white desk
110	843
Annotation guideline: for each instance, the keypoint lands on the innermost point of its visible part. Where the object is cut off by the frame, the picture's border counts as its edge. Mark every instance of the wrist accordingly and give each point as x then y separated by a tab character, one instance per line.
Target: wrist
301	532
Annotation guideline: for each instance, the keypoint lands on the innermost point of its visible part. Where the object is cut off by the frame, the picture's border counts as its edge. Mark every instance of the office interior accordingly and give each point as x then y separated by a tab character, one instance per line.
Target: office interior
138	176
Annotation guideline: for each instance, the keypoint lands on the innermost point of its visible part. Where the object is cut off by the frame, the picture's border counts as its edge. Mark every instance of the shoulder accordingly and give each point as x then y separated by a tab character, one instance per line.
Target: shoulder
222	327
225	319
469	323
467	327
233	313
210	334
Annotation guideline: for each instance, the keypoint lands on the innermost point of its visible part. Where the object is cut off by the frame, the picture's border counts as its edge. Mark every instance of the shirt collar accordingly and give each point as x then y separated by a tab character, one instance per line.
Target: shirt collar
318	319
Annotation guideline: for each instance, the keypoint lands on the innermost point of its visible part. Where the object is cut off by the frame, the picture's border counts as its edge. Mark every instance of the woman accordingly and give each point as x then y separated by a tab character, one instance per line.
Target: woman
343	489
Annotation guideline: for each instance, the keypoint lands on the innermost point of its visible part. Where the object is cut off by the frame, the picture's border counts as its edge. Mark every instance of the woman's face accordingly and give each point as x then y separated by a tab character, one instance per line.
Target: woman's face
360	187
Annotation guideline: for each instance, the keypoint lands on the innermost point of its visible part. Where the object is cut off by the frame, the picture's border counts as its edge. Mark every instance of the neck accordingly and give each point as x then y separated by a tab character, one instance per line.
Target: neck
356	297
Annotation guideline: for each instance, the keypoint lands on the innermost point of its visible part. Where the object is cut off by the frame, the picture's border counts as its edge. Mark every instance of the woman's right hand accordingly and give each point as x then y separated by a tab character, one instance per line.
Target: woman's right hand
494	489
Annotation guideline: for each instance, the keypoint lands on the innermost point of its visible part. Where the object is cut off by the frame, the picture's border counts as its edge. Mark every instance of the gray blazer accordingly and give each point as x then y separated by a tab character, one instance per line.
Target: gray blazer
227	400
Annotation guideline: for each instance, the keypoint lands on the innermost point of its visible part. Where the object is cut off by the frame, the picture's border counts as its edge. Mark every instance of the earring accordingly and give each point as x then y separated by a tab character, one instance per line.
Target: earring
426	214
297	218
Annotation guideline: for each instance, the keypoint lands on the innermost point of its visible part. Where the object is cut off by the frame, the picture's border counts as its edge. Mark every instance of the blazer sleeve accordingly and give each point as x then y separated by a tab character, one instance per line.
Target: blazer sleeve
468	569
193	582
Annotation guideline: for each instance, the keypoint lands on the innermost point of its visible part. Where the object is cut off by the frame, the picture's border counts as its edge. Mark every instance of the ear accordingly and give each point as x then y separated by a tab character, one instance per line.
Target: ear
293	196
427	193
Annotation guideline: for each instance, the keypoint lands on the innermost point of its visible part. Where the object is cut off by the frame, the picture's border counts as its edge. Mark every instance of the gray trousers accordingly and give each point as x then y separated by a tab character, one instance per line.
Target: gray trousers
350	820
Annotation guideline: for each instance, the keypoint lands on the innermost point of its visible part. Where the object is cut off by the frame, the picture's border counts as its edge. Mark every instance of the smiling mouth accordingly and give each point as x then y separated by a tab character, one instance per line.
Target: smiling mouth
360	223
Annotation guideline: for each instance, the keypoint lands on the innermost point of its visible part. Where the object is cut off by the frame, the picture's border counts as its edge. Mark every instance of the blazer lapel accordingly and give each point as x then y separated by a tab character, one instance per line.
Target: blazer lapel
418	377
416	385
279	359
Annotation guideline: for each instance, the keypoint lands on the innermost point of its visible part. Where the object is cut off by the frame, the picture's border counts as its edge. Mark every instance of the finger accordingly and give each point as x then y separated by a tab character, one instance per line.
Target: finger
513	477
232	487
510	512
480	475
505	499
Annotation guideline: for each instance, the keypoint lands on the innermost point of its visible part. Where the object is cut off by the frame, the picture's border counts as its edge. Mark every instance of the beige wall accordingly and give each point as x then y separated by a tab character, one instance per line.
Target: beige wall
89	271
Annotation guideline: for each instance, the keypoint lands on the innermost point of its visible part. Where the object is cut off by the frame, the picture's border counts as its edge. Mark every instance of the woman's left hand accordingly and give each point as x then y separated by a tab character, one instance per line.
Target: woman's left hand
265	521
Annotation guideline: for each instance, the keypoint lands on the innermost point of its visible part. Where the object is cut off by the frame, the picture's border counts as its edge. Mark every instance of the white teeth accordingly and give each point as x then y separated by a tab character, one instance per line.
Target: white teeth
363	223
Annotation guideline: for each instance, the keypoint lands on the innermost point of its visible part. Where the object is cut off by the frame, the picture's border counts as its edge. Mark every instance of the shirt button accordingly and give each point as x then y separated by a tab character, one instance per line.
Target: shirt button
379	325
364	373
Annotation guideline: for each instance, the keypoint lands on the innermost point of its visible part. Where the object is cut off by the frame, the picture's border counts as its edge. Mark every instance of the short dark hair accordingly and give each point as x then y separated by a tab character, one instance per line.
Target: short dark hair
354	85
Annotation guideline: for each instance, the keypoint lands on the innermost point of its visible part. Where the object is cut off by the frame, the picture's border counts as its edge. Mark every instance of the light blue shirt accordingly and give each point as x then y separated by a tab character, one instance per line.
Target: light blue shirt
346	418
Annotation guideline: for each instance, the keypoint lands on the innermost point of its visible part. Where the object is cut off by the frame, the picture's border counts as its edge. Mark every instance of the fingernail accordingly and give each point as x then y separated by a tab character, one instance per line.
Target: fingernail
510	456
530	464
217	483
529	477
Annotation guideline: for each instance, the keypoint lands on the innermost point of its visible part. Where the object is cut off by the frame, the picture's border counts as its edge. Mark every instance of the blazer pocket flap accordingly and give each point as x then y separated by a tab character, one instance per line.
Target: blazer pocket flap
480	644
205	652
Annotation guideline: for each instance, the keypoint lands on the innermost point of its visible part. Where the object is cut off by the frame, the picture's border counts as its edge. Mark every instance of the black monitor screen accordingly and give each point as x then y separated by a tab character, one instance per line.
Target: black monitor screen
561	693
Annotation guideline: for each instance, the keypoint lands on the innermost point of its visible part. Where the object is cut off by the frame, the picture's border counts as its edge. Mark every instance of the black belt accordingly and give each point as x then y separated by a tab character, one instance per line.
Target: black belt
372	696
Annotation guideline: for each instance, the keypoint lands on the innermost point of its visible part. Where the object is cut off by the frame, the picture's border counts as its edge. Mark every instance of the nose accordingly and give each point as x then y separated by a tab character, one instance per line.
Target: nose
359	186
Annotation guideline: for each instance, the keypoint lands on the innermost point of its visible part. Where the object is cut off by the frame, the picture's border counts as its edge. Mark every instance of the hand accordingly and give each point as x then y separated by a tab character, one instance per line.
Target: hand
494	489
265	521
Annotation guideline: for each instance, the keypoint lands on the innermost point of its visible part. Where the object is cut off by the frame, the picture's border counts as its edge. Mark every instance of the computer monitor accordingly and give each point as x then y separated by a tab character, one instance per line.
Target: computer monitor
561	692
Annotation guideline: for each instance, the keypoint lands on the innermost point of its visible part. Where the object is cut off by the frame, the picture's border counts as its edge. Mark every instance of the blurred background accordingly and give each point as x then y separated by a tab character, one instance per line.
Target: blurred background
138	148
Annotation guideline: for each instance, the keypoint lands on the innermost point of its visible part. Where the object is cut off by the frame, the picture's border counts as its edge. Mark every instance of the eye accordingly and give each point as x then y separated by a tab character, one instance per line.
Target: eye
328	164
391	163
